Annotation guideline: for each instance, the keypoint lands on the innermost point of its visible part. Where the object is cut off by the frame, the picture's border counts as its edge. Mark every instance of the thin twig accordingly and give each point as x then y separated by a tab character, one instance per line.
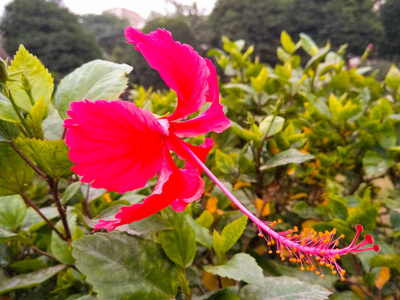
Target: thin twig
53	227
36	249
54	189
85	204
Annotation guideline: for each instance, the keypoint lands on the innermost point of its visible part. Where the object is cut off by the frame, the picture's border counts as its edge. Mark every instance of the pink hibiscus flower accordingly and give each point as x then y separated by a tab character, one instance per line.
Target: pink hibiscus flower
118	146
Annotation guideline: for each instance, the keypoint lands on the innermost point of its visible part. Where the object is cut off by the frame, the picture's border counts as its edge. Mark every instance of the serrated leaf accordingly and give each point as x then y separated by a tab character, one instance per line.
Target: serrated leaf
15	173
284	288
202	234
392	78
271	125
35	118
50	156
287	157
8	131
139	267
29	280
39	78
224	162
94	80
386	260
7	112
240	267
12	211
229	235
179	244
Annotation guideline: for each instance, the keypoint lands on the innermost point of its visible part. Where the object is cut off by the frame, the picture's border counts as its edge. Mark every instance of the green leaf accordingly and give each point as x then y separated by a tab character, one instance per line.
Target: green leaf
50	156
392	78
291	156
150	224
6	236
285	288
94	80
33	221
8	131
35	118
179	244
139	267
387	135
53	126
244	133
240	267
266	128
308	44
7	112
206	219
60	248
15	173
224	162
365	213
287	42
70	191
229	235
374	163
39	78
29	280
386	260
12	211
202	234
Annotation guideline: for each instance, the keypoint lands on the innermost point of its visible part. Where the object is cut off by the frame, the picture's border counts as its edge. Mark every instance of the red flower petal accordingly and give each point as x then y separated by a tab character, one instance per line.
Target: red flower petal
181	67
115	145
169	186
213	119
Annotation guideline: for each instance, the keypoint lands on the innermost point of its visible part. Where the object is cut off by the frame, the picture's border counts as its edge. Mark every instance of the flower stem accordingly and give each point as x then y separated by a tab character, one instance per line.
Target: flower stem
280	239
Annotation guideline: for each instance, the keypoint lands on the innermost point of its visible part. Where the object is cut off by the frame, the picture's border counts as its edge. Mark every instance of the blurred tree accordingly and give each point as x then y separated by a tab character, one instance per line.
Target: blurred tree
390	16
50	32
142	73
341	21
257	22
108	30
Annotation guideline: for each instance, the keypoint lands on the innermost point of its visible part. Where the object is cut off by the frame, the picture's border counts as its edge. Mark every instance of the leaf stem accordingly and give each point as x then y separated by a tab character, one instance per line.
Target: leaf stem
53	227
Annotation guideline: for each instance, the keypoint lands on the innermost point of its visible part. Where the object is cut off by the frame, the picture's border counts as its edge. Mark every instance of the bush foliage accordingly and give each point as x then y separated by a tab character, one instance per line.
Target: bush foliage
312	143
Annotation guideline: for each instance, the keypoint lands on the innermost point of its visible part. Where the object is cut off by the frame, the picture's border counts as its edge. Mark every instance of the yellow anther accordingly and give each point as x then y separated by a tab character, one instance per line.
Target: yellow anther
317	272
322	276
302	268
278	251
342	236
334	272
270	251
282	258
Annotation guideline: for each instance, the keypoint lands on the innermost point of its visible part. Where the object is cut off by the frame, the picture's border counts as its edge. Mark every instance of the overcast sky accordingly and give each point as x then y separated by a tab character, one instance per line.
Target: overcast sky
142	7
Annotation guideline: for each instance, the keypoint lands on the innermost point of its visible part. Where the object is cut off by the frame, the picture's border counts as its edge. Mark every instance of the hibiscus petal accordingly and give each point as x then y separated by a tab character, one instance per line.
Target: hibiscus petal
169	186
115	145
213	119
181	67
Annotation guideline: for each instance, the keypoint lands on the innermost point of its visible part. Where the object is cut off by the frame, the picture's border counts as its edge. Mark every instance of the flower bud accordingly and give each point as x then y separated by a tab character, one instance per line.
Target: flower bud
26	85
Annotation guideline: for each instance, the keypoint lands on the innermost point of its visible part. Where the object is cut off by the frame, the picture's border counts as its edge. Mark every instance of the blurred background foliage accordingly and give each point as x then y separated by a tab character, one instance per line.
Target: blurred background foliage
314	141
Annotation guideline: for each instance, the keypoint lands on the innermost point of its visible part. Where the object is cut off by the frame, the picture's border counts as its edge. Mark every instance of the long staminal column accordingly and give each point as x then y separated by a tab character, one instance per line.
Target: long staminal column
309	248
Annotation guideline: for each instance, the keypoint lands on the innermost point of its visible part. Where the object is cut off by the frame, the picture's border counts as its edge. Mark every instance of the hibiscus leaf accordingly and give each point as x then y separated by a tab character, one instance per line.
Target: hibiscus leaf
94	80
283	287
15	173
127	267
180	243
38	76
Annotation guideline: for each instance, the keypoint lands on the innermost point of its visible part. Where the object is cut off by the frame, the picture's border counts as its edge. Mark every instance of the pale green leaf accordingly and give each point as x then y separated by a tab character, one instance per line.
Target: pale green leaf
12	211
229	235
39	78
287	157
206	219
119	266
7	112
386	260
35	118
25	281
271	125
392	78
202	234
94	80
70	191
240	267
284	288
287	42
224	162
